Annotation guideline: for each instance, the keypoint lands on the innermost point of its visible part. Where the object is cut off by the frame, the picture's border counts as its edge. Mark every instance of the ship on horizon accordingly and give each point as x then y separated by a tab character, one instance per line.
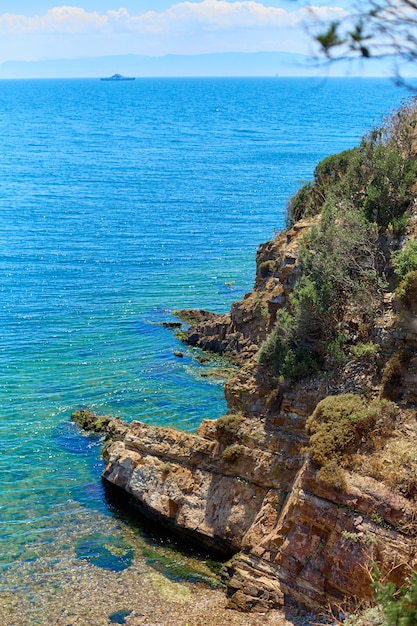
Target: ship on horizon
118	77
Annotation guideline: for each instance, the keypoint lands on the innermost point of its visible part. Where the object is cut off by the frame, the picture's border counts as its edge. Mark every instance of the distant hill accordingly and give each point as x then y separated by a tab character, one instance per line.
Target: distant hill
222	64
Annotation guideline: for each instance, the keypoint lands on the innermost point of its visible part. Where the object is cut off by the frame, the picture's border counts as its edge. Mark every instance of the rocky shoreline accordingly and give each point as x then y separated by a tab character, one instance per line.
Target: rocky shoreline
310	479
245	484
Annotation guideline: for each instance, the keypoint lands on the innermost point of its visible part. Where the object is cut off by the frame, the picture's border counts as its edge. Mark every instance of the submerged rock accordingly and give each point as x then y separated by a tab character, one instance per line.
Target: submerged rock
112	553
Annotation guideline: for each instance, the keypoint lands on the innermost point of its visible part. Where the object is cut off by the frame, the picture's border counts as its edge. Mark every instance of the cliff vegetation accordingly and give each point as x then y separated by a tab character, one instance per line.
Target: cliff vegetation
311	477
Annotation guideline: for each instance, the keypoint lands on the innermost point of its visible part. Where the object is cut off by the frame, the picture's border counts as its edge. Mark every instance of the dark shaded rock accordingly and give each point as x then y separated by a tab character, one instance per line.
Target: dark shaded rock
87	420
171	325
112	427
194	316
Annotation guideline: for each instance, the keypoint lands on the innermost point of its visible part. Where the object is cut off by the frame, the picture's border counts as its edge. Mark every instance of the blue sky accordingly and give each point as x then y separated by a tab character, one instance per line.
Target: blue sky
37	30
30	7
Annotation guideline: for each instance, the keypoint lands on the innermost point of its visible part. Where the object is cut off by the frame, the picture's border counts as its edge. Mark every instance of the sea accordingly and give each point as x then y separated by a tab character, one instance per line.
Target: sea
120	202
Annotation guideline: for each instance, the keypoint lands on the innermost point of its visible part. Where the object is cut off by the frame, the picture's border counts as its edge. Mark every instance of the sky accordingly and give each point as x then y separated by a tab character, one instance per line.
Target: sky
34	30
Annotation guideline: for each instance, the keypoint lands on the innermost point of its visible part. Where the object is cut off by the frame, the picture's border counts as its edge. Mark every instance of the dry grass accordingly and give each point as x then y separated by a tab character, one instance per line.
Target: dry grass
394	464
343	426
228	427
376	439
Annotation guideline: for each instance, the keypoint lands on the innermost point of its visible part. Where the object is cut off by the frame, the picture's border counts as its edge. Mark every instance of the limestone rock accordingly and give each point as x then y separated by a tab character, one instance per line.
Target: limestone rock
294	536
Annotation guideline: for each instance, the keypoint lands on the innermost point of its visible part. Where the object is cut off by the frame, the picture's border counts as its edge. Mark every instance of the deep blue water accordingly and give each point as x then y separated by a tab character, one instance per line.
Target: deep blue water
118	203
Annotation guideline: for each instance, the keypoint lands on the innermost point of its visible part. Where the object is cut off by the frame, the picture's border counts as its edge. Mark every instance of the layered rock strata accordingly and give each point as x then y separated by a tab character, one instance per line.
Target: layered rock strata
245	483
239	334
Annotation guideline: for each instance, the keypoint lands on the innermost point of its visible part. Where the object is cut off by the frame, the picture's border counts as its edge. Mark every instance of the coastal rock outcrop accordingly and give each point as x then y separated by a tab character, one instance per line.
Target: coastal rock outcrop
295	538
239	334
245	484
311	477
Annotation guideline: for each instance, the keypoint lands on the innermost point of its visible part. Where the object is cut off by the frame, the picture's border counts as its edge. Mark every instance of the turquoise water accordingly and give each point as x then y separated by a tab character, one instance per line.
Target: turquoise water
120	202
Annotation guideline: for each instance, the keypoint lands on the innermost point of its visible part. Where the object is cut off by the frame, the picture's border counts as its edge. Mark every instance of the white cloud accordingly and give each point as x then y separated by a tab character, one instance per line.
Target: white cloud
222	14
324	13
184	28
63	19
206	15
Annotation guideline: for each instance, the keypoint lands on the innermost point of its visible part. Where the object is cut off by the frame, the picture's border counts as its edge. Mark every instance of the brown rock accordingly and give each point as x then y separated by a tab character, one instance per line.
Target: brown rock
296	538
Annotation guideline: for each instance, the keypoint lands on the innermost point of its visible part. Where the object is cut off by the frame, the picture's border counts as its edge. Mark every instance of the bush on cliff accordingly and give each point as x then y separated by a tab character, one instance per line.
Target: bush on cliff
343	425
338	267
377	177
284	352
406	291
308	201
399	605
405	260
336	426
359	193
228	427
405	266
390	177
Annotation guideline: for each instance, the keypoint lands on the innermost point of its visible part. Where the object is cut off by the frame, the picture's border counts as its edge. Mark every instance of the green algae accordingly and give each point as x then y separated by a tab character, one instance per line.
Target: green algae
178	571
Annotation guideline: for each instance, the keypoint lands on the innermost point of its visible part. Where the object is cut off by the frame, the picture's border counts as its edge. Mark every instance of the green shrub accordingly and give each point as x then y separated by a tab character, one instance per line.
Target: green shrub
335	348
392	376
341	263
388	192
302	204
377	177
368	617
406	291
399	128
399	605
232	453
284	352
309	199
332	474
278	342
298	362
311	304
361	350
338	267
405	260
379	520
399	225
333	168
332	427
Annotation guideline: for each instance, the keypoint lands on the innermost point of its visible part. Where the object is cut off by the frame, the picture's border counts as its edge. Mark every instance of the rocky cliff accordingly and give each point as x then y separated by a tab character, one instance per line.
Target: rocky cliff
311	477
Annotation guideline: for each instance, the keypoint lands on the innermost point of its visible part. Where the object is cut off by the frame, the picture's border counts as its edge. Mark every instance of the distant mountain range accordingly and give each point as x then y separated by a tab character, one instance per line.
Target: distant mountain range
222	64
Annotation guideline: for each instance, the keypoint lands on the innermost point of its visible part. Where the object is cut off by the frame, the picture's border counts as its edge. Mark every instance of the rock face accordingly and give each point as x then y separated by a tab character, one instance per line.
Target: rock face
245	483
240	333
294	537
